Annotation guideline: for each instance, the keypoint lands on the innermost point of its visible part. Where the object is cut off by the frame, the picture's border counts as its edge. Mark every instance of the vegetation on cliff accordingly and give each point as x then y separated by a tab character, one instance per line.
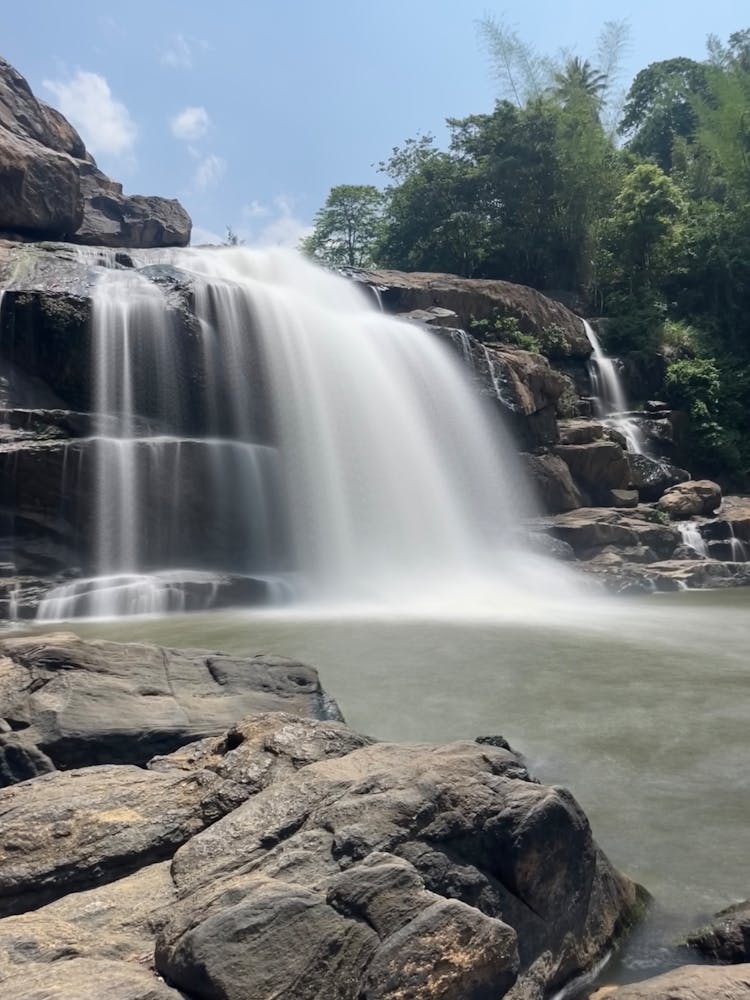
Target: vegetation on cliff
640	210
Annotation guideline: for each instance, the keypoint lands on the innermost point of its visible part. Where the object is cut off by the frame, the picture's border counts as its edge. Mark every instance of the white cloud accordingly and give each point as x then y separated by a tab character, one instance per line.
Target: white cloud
190	123
255	210
200	235
178	54
209	171
104	123
286	229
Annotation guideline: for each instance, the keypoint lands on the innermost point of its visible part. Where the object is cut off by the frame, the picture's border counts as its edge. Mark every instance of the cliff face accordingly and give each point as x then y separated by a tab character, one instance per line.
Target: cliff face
51	187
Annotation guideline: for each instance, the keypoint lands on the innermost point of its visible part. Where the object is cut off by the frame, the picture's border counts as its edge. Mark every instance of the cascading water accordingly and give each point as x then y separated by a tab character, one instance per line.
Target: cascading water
692	537
610	400
292	434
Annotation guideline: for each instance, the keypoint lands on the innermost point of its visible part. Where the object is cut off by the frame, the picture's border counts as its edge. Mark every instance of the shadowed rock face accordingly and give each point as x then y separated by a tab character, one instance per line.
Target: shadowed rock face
51	188
314	864
66	703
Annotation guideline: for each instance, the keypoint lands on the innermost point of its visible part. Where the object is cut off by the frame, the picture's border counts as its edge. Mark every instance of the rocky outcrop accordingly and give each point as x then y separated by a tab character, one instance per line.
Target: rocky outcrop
597	467
727	937
653	477
590	529
690	982
306	861
66	703
50	187
553	484
559	332
691	499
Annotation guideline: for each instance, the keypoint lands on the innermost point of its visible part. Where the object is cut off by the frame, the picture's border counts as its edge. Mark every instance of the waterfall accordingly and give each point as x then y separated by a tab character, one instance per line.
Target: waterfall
284	430
610	401
692	537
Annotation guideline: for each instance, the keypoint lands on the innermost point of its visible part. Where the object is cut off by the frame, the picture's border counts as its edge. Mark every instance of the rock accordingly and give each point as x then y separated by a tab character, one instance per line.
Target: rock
597	468
50	187
72	703
732	520
353	869
691	499
434	316
549	546
40	193
116	921
475	299
623	498
690	982
652	477
656	406
579	431
87	979
590	529
552	482
61	833
670	575
727	938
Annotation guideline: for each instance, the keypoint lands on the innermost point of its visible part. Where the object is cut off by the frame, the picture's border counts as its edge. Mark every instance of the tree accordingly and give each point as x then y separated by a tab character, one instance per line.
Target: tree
346	230
579	79
645	216
660	108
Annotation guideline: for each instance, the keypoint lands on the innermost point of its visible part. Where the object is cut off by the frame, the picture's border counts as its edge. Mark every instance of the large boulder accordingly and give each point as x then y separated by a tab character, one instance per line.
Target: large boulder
653	477
387	871
597	467
551	479
50	187
68	703
590	529
691	499
314	863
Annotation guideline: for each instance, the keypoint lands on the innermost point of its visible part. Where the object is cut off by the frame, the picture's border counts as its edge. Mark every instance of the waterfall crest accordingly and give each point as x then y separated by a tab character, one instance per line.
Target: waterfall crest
291	434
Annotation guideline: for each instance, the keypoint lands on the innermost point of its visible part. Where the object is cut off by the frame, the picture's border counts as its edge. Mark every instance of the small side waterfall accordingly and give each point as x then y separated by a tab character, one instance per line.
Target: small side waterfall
692	537
610	401
280	429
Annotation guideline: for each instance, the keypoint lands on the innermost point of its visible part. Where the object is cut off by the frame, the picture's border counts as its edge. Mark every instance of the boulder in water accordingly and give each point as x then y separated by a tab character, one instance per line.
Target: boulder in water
727	937
69	703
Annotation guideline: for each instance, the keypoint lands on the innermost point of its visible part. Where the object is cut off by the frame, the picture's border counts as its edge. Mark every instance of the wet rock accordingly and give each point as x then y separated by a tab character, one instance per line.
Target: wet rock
383	857
475	299
652	477
732	520
549	546
691	499
580	431
77	703
550	476
690	982
727	938
591	529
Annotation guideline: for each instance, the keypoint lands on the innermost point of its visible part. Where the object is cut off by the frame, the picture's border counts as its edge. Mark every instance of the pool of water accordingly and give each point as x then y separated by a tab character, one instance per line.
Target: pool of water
640	706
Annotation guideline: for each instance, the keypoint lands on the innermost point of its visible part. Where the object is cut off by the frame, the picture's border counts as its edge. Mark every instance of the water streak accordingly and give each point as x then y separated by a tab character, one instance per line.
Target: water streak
610	401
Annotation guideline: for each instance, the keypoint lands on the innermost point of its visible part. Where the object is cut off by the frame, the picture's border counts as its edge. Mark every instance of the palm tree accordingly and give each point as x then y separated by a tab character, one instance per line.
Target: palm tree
579	79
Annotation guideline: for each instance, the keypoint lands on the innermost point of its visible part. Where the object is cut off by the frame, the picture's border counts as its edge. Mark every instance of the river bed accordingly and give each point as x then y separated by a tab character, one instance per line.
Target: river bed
640	706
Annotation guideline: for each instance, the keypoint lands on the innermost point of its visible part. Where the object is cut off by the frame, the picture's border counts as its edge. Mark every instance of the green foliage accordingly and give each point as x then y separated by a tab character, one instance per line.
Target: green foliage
695	386
347	228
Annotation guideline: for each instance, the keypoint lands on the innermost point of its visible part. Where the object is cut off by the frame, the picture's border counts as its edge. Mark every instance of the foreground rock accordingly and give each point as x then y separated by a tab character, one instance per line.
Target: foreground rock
50	187
67	703
340	868
691	982
727	938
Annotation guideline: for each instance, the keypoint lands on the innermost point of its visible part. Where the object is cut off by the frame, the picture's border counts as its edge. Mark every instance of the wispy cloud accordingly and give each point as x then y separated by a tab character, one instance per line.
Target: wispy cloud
254	210
209	172
191	123
104	122
178	53
282	227
200	235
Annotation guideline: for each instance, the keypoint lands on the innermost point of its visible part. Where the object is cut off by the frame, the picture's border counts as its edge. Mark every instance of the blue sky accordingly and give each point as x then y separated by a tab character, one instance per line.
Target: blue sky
250	110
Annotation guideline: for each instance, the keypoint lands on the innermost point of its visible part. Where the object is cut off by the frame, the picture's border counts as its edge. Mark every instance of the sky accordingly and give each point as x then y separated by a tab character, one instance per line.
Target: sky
249	111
